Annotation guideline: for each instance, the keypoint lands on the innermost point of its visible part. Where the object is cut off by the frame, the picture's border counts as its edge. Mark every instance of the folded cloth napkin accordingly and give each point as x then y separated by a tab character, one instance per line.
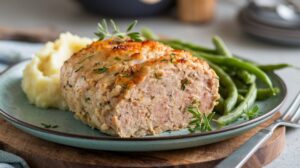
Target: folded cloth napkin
8	160
12	52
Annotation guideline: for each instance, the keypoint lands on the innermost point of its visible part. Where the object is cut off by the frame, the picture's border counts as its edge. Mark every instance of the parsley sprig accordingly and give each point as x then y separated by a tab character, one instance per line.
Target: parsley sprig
103	31
200	121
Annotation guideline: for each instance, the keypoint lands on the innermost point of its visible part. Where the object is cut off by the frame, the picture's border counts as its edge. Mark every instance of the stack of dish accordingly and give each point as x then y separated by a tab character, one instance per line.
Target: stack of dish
268	24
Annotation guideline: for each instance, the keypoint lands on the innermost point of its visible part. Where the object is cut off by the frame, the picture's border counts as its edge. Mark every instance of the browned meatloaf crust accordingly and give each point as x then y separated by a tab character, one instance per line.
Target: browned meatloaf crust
133	89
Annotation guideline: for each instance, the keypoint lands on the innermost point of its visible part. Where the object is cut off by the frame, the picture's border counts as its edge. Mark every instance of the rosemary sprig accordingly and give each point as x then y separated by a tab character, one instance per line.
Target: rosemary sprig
103	31
200	122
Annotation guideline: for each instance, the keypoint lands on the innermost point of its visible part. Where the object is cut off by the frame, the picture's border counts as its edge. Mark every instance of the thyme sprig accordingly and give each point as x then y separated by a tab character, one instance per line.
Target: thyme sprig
200	121
103	31
252	113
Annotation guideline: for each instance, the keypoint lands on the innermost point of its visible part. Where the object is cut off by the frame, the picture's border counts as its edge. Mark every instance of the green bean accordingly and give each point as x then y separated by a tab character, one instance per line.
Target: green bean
239	84
246	77
263	94
230	62
234	62
221	47
240	98
273	67
241	108
231	89
222	91
219	108
187	46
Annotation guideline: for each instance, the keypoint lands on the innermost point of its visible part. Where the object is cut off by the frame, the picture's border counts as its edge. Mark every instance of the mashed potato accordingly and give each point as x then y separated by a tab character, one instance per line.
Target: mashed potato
41	77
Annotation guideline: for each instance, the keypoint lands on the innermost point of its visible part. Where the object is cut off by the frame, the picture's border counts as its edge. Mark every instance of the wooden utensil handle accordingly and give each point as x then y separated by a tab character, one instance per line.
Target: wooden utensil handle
195	10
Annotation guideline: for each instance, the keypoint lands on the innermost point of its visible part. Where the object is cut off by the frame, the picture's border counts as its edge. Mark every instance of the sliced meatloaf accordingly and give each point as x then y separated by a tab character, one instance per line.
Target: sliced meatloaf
133	89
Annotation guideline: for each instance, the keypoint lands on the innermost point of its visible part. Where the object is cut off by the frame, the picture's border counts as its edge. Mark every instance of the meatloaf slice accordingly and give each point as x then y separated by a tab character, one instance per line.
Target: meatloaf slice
130	98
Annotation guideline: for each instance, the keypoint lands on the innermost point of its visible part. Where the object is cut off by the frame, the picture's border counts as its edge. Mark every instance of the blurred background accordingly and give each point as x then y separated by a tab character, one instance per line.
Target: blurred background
275	21
265	31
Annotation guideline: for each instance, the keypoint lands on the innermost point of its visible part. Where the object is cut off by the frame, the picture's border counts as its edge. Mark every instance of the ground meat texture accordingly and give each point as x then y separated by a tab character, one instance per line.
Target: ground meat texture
133	89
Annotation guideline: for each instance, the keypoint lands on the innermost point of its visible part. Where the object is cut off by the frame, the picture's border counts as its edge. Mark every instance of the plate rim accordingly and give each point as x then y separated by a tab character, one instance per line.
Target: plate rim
11	118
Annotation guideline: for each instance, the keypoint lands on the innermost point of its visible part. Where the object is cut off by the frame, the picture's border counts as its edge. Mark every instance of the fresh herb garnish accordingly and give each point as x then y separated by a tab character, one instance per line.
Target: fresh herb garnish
184	82
200	121
101	70
103	31
49	125
250	114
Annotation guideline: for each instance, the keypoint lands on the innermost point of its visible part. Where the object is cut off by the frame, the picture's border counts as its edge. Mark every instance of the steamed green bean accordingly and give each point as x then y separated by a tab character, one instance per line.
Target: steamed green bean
241	108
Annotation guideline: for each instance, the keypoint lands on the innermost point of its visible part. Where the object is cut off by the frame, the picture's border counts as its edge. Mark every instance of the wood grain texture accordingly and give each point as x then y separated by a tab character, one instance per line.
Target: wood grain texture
43	154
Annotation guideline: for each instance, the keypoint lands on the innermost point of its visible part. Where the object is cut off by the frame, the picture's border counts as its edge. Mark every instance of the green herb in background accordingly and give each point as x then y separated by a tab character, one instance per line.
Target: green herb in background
200	121
103	31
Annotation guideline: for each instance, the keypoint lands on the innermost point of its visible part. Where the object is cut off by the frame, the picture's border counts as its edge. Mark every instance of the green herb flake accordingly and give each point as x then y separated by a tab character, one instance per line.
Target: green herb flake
200	121
164	60
100	70
184	82
117	58
173	59
49	126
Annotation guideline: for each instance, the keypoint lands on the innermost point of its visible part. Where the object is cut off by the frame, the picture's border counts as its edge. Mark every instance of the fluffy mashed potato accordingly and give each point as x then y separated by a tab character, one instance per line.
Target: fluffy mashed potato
41	77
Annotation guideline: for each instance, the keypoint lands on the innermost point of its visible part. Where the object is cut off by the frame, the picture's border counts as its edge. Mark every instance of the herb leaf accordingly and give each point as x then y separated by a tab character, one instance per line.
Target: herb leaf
252	113
49	125
131	26
101	70
184	82
117	58
200	121
103	32
136	36
115	27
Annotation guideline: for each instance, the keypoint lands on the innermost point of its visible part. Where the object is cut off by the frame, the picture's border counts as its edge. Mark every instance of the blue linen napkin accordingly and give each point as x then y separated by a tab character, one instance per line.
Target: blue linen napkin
12	52
8	160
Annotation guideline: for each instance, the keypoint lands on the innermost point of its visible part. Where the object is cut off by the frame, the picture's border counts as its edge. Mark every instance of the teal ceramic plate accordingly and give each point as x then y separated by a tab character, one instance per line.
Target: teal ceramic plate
70	131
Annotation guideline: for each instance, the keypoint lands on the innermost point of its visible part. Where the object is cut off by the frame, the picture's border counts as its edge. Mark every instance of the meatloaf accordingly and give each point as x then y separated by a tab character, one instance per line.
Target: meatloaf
133	89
